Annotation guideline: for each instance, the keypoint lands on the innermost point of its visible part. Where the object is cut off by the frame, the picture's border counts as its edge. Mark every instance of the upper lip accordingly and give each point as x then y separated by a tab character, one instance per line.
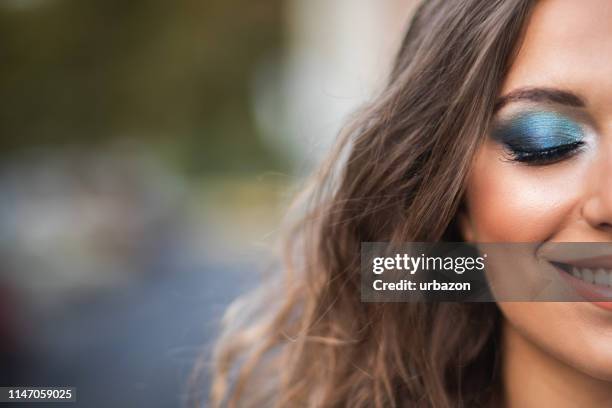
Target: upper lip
604	262
590	255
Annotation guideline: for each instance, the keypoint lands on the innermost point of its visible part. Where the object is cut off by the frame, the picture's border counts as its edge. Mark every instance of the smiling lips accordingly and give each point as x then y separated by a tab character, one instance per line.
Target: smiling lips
591	278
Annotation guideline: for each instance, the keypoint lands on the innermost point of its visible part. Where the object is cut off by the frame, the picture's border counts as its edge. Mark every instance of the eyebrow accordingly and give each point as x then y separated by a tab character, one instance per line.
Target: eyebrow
540	95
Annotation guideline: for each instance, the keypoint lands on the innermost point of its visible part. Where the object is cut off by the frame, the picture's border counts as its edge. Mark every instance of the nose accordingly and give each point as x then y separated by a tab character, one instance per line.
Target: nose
597	209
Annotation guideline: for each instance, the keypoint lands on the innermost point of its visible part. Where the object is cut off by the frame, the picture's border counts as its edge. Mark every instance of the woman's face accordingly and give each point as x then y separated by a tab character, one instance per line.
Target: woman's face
545	173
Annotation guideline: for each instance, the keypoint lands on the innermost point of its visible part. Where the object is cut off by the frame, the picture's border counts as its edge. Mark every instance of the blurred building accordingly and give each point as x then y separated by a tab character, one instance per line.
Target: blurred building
338	57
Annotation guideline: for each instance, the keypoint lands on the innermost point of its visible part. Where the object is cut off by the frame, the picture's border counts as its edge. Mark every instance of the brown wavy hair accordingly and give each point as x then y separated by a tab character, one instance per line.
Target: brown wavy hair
397	174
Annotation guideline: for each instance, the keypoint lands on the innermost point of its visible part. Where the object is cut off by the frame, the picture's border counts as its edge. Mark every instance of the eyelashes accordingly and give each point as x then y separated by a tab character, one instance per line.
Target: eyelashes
548	156
539	138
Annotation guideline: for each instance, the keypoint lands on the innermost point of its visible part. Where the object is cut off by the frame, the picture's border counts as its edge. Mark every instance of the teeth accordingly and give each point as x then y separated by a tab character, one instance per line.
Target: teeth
587	275
601	277
596	276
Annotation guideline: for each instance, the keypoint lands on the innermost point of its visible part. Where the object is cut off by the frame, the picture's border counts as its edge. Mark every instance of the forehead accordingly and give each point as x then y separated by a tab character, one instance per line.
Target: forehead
567	45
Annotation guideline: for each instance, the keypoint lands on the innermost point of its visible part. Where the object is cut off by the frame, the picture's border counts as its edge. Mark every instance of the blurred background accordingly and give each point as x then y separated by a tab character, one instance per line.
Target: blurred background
148	151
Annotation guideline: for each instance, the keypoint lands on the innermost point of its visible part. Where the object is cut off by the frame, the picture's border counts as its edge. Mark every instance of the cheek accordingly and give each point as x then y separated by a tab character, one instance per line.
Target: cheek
512	202
570	332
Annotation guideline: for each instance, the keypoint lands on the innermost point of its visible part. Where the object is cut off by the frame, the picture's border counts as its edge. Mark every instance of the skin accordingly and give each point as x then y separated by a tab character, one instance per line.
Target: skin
555	354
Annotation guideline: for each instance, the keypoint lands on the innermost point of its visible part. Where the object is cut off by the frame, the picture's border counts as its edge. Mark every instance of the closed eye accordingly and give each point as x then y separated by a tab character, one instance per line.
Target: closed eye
545	156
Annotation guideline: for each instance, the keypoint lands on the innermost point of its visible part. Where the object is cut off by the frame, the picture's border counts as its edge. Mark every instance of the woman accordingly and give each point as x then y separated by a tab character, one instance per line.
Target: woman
495	126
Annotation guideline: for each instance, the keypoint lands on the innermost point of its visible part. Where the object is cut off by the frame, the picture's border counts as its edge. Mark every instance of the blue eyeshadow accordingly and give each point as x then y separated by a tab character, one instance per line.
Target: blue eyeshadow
537	131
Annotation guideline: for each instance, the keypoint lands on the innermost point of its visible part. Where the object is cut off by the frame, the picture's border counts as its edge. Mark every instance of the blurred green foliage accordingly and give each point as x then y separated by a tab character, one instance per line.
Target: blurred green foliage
175	74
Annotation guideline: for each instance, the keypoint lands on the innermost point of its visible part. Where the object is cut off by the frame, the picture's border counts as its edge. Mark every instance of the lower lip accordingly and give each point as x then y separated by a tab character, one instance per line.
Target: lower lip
588	291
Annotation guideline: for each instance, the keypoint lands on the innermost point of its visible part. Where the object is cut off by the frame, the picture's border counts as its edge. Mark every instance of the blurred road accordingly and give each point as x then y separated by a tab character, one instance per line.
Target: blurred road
135	348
